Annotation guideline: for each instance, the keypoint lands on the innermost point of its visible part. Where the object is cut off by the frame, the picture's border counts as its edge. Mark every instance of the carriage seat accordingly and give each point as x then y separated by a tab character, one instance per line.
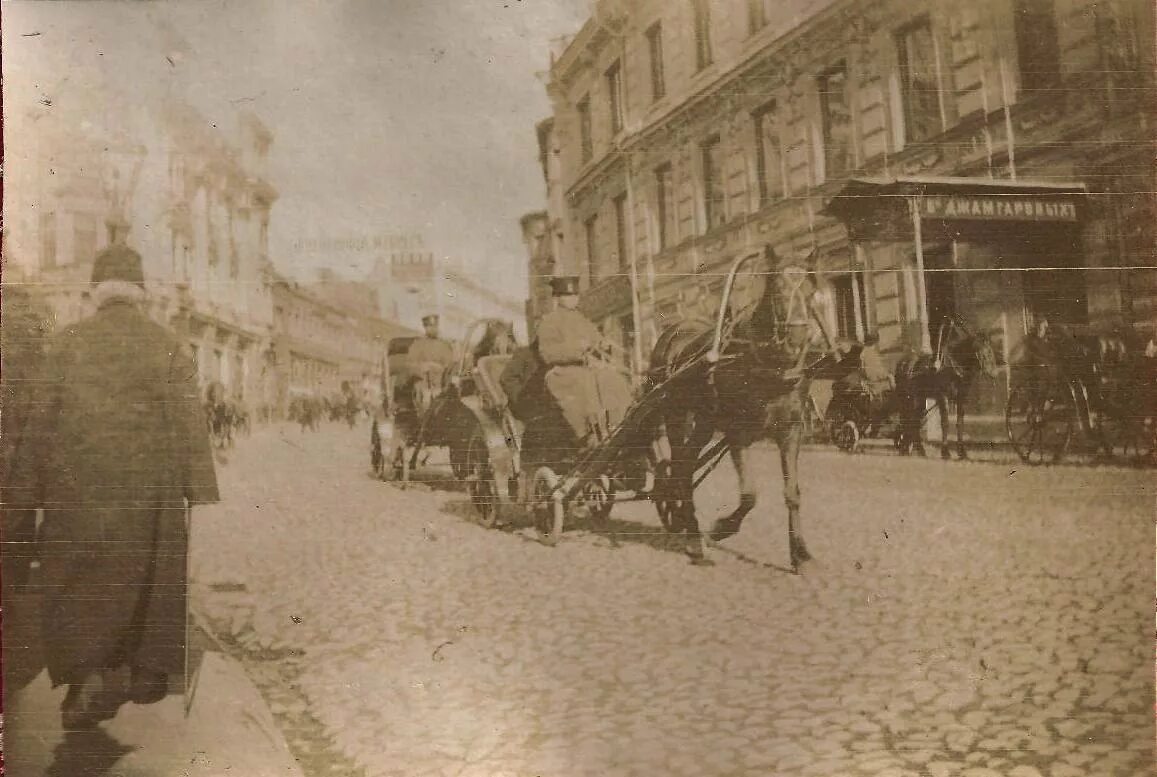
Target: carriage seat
489	369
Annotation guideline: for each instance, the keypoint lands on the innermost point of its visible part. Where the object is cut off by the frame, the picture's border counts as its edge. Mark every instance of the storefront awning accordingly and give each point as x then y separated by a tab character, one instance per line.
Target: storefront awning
866	200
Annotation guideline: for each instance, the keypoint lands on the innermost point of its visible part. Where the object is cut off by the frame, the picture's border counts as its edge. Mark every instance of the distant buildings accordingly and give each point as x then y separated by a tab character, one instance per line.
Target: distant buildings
411	284
907	144
195	202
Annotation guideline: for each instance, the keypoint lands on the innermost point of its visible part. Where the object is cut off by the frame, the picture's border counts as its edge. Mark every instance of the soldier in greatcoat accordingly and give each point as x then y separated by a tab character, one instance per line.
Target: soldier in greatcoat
115	450
431	350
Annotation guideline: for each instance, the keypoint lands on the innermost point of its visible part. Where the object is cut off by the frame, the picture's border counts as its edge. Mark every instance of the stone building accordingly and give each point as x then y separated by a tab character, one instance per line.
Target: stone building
190	198
919	149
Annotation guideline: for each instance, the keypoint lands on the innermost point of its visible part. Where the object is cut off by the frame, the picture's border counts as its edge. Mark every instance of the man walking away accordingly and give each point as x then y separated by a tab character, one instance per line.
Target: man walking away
113	451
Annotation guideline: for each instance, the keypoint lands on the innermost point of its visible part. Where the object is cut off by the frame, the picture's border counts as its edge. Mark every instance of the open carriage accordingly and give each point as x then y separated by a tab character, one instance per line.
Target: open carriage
1088	387
721	359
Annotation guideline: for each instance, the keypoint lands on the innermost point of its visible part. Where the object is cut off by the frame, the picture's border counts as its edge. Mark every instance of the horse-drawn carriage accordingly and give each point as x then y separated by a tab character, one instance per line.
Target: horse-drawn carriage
1077	384
713	388
461	408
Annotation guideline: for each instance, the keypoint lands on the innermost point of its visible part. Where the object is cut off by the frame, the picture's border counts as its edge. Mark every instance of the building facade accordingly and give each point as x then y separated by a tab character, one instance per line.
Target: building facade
689	133
412	284
326	334
193	201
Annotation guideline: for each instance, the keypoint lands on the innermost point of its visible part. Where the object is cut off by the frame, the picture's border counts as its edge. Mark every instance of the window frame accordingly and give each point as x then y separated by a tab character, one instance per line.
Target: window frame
654	36
712	177
756	16
907	106
665	204
591	237
586	131
1037	33
768	112
704	53
826	134
615	102
619	204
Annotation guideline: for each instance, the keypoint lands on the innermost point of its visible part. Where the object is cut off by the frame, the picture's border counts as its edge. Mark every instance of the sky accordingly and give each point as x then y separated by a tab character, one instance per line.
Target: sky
390	117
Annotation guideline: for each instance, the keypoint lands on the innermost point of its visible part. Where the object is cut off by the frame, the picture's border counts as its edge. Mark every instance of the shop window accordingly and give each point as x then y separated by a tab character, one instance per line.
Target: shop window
704	55
615	96
1037	45
919	91
664	205
768	155
584	117
851	318
620	203
714	209
655	48
836	121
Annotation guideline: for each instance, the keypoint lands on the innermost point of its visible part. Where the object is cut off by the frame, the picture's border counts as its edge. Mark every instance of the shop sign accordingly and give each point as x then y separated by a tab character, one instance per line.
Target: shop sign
999	207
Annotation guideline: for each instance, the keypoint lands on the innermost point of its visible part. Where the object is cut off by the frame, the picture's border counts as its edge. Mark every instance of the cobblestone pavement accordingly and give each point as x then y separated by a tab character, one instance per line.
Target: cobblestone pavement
965	619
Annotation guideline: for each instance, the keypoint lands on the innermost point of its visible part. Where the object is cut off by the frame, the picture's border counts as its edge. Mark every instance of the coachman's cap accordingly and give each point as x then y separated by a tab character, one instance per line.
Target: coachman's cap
429	318
564	285
118	263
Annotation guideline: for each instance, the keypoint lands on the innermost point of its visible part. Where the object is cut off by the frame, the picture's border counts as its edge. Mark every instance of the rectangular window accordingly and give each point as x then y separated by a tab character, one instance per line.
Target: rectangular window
712	155
756	16
655	47
703	54
83	237
584	116
47	240
590	233
664	205
837	121
768	155
1037	45
621	231
919	91
615	96
851	318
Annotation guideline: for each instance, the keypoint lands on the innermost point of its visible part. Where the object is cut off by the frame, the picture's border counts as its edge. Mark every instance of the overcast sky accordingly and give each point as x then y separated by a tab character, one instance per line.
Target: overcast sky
390	116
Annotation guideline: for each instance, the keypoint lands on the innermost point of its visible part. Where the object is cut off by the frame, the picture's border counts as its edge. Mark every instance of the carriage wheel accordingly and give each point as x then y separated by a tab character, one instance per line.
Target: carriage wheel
1040	427
663	497
846	436
548	514
479	479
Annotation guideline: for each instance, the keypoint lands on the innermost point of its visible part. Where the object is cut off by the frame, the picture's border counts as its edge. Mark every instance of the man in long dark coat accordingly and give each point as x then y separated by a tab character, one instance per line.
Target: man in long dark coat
115	449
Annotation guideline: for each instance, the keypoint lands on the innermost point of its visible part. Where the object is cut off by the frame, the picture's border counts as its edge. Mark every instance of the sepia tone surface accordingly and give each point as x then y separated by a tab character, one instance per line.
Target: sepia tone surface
714	387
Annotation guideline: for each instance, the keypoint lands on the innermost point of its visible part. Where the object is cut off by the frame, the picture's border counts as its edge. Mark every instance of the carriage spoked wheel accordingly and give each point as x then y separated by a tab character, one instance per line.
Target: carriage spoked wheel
846	436
1040	425
548	514
479	479
662	496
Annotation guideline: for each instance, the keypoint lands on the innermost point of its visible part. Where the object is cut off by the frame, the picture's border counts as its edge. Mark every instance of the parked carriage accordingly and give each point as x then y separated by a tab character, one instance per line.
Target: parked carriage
1089	388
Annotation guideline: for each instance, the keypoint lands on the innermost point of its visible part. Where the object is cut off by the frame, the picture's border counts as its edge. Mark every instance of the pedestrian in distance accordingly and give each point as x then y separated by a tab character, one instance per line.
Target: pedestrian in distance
115	452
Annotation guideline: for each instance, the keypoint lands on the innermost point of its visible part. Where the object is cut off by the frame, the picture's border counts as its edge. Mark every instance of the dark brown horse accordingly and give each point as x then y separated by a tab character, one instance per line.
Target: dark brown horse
745	377
959	357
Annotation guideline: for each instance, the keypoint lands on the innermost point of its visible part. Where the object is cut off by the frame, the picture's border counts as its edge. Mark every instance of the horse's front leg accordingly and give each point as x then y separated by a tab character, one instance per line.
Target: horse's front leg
789	444
684	462
729	525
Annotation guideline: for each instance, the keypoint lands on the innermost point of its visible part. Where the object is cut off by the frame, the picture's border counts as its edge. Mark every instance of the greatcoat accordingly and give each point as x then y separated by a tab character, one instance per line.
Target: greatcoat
115	447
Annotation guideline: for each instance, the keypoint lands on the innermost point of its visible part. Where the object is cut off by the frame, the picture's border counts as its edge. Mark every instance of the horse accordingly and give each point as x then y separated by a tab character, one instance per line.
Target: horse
750	386
497	339
959	357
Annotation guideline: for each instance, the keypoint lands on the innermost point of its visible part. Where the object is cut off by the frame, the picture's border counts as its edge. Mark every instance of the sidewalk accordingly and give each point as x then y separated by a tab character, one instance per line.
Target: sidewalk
229	731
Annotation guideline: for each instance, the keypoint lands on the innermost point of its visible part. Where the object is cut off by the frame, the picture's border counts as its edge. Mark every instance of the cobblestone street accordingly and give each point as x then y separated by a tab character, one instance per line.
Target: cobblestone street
974	619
